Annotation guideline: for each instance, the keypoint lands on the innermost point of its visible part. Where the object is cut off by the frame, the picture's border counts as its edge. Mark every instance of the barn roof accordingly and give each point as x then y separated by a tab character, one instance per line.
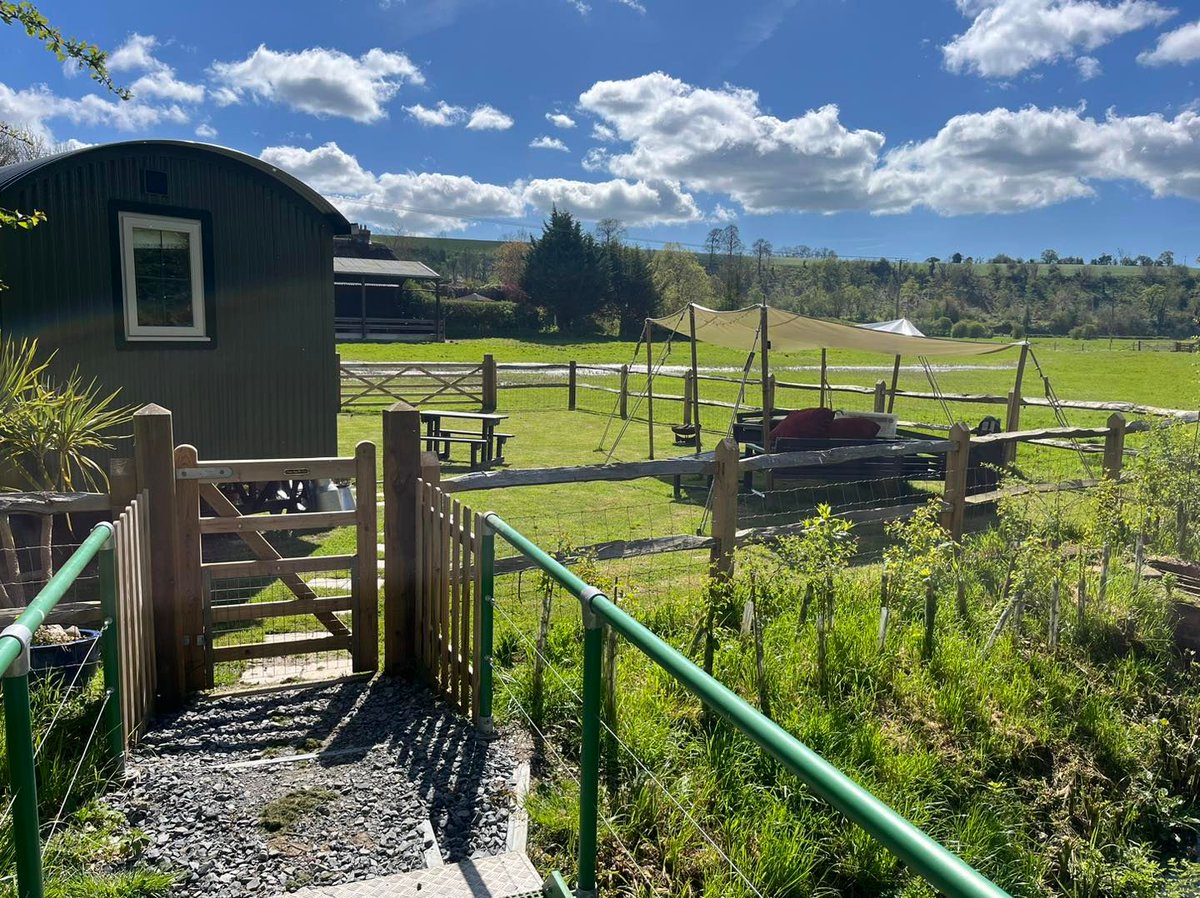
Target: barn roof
11	175
383	268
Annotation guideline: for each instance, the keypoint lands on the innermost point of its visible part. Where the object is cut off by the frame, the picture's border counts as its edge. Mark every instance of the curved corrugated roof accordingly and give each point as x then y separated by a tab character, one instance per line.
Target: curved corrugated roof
11	175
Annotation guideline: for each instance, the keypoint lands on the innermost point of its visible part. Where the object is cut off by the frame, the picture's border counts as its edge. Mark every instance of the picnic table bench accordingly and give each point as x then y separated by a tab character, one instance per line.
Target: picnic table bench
486	444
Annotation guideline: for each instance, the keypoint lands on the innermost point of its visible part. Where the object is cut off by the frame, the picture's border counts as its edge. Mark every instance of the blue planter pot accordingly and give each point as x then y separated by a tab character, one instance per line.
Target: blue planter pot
63	661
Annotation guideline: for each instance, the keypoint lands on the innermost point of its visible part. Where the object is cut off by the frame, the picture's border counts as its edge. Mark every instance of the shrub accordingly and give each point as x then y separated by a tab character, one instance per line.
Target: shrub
465	320
1018	331
973	330
1084	332
941	327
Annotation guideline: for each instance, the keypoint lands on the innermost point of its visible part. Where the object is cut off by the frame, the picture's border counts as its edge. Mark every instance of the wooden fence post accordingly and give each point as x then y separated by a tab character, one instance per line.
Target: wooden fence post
189	581
154	449
571	381
490	397
1013	422
624	395
880	396
401	469
687	397
1114	446
366	609
724	508
954	497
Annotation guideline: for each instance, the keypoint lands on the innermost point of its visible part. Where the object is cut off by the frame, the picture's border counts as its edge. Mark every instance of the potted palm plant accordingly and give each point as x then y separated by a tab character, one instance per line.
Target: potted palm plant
50	429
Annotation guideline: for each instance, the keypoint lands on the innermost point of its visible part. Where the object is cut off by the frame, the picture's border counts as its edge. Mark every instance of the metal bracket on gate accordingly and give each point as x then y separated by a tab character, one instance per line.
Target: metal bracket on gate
23	635
590	620
202	473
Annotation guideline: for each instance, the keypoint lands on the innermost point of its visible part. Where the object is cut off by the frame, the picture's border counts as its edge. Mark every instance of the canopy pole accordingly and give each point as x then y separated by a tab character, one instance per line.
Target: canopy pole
824	380
649	389
895	383
1013	422
765	342
694	399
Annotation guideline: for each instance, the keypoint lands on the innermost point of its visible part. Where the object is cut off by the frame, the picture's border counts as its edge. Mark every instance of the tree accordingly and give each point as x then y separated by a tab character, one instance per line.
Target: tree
712	243
679	279
1166	258
1049	256
632	292
957	258
509	265
733	269
762	251
610	230
564	272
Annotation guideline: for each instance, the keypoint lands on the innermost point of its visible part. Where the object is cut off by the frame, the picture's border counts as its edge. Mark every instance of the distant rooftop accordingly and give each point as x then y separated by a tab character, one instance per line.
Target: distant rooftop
383	268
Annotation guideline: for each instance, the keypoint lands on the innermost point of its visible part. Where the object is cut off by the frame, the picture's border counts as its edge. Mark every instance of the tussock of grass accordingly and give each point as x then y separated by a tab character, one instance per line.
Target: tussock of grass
286	811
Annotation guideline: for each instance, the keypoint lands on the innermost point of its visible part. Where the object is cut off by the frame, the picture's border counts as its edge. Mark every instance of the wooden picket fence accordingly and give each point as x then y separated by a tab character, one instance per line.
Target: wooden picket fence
449	599
135	616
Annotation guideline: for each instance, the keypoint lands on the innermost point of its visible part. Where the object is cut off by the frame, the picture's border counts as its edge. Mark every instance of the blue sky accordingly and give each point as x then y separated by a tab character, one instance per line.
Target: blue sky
873	127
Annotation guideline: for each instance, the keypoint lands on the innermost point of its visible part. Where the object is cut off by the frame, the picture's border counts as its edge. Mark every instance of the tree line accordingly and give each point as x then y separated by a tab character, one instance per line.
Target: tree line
595	281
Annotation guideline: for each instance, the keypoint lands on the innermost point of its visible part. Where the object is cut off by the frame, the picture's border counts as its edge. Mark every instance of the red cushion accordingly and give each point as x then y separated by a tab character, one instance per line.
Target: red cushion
850	427
806	422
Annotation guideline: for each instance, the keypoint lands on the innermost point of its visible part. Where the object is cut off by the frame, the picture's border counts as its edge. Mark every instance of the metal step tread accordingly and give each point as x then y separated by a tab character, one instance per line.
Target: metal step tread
509	875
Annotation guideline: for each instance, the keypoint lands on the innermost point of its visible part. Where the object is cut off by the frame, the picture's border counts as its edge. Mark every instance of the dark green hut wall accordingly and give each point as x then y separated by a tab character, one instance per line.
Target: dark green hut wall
269	385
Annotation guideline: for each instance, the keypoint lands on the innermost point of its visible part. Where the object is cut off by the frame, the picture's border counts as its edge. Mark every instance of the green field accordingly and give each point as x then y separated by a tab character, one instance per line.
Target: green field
1065	772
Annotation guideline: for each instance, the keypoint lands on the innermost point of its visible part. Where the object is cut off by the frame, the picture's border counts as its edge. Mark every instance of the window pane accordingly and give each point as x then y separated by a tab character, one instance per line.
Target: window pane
163	272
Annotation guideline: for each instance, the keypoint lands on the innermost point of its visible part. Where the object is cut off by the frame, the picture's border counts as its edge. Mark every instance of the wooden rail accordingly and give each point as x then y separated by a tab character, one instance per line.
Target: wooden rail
375	385
492	480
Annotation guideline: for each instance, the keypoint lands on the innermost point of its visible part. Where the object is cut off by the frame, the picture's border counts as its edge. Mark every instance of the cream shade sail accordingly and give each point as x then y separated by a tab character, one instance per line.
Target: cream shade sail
788	332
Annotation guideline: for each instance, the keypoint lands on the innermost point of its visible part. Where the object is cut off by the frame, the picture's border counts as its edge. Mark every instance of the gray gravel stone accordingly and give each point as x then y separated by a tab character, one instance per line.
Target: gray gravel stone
393	755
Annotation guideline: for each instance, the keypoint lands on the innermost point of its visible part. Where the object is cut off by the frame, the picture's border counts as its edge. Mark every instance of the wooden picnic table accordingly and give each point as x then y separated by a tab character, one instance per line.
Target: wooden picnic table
437	436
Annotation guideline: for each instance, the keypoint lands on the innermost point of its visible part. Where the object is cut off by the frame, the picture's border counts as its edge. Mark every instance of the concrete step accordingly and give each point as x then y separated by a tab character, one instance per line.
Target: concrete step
509	875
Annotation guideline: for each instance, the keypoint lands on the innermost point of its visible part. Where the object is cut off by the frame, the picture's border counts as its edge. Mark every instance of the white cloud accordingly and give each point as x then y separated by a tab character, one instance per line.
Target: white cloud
206	131
430	202
1007	37
642	202
603	133
136	54
34	106
720	141
634	5
1010	161
1180	46
159	82
489	118
441	116
580	7
546	142
722	214
319	81
560	120
1088	66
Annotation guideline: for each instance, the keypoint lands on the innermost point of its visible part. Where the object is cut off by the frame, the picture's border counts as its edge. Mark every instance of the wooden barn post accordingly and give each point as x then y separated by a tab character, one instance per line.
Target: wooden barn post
880	396
765	344
401	470
694	397
154	450
189	577
1013	423
954	495
649	389
724	509
1114	446
490	397
895	384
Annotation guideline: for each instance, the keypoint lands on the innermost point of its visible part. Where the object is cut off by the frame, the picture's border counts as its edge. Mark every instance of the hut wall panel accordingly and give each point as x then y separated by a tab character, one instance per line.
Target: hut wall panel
269	386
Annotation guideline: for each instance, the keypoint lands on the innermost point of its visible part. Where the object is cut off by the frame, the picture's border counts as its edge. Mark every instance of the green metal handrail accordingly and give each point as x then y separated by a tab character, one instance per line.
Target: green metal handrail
930	860
18	720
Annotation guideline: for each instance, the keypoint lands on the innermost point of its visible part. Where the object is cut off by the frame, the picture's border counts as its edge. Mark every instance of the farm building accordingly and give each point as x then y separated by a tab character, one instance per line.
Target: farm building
369	293
184	274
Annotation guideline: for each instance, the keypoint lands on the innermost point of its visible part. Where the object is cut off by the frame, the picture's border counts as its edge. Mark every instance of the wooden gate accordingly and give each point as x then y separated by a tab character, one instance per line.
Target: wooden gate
449	596
367	386
276	604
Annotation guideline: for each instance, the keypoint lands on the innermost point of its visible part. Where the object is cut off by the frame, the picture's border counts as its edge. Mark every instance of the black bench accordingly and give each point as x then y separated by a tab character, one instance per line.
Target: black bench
500	438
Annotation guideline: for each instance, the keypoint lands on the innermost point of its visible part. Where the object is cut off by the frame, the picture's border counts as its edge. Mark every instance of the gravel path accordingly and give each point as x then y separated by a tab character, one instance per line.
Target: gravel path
392	756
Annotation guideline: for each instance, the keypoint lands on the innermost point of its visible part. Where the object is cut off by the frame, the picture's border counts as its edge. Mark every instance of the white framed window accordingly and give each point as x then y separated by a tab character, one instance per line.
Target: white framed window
162	277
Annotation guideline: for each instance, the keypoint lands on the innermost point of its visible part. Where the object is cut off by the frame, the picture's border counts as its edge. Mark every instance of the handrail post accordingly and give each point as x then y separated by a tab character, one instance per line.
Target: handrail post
110	651
487	581
22	773
589	750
